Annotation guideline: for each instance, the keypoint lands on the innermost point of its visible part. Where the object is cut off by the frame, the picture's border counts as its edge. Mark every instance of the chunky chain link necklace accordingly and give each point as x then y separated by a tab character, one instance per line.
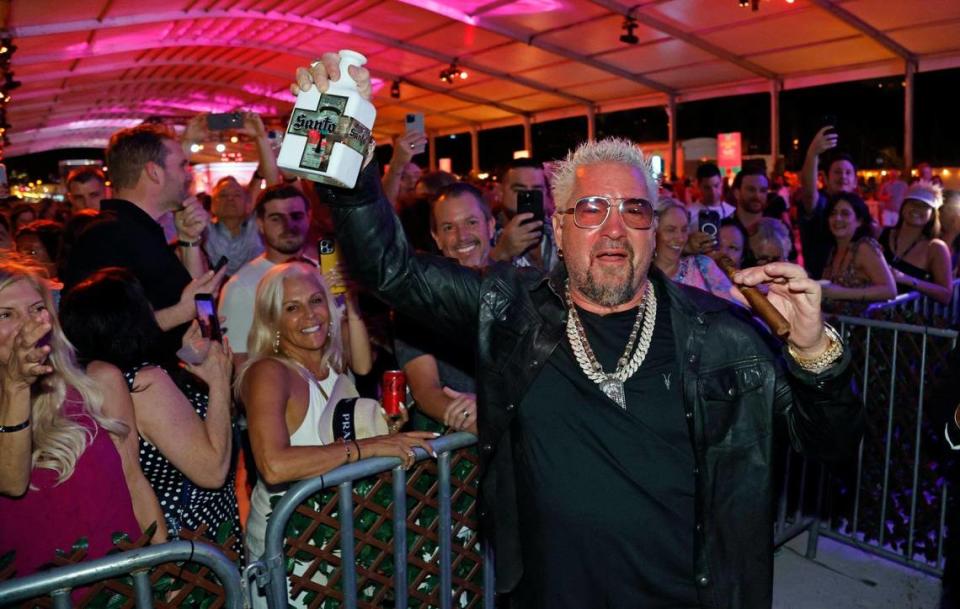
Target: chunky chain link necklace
612	384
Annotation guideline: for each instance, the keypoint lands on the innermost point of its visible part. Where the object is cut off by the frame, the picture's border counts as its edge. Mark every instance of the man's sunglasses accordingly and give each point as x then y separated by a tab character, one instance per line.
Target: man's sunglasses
591	212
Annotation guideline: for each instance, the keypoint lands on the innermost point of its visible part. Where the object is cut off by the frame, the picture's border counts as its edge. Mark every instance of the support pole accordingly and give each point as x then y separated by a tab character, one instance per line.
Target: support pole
527	136
474	150
911	68
775	87
672	133
432	150
591	123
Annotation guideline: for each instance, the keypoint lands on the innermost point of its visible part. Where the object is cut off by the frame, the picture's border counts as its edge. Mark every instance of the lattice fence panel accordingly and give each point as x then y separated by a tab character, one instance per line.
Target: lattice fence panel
312	543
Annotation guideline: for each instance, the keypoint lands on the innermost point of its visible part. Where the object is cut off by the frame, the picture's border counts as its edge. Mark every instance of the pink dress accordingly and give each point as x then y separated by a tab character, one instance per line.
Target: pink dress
93	502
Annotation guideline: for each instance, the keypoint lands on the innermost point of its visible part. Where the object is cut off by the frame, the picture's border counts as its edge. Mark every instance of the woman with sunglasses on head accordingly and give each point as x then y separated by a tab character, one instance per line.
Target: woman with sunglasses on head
698	271
57	447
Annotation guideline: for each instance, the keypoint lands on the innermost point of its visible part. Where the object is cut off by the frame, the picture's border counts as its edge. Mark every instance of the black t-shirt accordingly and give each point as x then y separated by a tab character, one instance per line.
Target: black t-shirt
126	236
607	495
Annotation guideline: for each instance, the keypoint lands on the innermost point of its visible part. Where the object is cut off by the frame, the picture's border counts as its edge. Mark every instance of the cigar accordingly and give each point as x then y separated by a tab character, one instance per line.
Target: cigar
758	302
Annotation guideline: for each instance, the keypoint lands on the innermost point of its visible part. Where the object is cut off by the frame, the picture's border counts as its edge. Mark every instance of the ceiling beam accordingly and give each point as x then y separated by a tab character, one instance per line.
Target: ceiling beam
148	18
48	92
99	51
101	68
531	38
866	29
691	39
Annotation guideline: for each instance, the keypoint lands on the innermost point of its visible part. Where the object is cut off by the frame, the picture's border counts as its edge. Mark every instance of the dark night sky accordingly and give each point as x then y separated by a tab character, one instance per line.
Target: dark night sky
869	113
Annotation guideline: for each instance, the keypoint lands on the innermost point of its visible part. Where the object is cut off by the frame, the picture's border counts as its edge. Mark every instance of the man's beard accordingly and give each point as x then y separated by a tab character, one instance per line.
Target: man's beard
588	282
285	246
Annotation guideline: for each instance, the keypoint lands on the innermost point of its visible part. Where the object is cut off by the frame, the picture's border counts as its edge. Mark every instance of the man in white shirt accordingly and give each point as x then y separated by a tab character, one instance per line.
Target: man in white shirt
710	184
283	219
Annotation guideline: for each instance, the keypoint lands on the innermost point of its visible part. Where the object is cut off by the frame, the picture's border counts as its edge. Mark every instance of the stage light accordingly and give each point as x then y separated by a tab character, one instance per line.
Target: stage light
221	147
448	75
629	25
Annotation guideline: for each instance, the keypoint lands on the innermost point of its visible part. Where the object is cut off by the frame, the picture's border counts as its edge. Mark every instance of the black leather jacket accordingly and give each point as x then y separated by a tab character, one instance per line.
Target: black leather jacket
736	386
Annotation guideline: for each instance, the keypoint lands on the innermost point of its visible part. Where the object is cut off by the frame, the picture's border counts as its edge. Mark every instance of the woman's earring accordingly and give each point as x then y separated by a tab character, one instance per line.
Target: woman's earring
276	342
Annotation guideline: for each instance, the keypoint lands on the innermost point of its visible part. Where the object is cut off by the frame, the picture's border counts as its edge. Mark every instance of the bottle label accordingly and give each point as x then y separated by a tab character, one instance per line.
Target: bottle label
325	126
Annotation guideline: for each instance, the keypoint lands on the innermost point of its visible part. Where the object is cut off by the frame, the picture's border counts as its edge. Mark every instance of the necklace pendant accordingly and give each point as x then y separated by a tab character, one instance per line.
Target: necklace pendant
613	389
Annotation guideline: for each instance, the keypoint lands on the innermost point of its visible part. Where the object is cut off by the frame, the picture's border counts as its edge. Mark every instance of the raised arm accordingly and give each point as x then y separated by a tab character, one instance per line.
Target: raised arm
200	448
438	291
25	363
822	142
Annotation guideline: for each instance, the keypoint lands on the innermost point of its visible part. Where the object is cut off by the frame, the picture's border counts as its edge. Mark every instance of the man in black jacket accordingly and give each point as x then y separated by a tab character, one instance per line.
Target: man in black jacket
625	422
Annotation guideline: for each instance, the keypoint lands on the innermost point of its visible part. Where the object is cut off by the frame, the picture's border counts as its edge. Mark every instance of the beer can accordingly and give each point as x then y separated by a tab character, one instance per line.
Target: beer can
394	391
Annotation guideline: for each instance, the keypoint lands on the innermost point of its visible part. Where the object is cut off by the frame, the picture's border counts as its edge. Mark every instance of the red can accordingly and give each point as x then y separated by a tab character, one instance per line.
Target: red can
394	391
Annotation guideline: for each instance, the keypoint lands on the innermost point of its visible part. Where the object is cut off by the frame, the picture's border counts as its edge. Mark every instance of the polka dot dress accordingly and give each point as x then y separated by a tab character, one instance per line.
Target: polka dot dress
185	505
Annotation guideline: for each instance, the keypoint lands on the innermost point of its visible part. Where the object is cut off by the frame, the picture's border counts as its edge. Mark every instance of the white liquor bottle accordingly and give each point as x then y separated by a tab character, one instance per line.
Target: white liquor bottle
327	137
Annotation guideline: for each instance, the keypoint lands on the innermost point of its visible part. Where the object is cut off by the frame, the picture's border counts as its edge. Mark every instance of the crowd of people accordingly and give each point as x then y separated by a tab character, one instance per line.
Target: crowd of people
116	400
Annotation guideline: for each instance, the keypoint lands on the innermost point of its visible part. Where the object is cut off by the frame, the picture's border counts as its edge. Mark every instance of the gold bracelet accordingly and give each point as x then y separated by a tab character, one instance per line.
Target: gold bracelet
826	359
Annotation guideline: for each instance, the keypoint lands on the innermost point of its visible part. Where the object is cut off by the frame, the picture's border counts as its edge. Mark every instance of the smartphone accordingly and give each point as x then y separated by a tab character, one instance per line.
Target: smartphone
229	120
415	123
220	264
709	221
531	201
207	317
830	120
327	248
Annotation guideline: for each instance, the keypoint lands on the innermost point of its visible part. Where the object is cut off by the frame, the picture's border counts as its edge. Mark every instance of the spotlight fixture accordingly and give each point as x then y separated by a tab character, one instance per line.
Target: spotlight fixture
452	73
395	89
629	25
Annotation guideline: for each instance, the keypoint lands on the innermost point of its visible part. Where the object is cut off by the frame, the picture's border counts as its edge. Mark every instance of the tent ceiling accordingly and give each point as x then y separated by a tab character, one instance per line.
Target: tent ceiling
89	67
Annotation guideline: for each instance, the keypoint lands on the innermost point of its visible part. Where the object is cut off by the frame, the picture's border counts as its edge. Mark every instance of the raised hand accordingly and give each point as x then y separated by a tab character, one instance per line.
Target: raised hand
328	69
28	358
823	141
796	297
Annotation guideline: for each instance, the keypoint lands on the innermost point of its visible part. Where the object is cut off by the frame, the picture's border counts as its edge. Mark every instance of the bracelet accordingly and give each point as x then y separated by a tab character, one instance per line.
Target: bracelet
13	428
182	243
826	359
347	447
359	454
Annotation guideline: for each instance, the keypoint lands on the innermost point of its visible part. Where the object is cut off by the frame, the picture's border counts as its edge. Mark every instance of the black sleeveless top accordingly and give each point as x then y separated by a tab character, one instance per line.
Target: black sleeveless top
897	262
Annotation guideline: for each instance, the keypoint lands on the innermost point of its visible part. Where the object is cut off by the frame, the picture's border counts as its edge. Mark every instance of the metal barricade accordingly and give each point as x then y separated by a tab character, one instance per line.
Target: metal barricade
58	582
920	308
341	580
894	502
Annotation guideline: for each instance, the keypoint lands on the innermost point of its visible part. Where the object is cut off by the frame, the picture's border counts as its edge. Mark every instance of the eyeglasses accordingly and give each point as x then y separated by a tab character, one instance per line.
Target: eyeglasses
591	212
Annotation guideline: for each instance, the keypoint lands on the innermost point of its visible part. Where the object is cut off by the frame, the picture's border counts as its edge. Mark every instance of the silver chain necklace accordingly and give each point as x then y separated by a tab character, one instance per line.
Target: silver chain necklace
612	384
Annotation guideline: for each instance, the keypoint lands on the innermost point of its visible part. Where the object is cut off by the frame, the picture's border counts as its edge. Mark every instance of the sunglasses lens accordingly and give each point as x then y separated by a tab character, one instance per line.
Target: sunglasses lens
590	212
637	213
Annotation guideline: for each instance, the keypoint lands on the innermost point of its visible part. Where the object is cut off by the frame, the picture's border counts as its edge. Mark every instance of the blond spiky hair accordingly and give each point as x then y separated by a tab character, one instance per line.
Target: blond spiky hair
609	150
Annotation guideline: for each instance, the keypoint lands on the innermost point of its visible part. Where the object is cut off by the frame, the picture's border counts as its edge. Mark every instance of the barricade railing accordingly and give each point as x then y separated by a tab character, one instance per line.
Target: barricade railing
402	538
893	501
58	583
920	308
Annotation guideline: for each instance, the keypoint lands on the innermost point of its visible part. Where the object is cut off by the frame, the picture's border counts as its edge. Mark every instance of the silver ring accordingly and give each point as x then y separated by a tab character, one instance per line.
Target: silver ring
466	413
412	146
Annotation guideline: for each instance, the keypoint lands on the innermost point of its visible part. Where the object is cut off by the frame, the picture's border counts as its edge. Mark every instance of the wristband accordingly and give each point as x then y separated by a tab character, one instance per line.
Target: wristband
13	428
182	243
